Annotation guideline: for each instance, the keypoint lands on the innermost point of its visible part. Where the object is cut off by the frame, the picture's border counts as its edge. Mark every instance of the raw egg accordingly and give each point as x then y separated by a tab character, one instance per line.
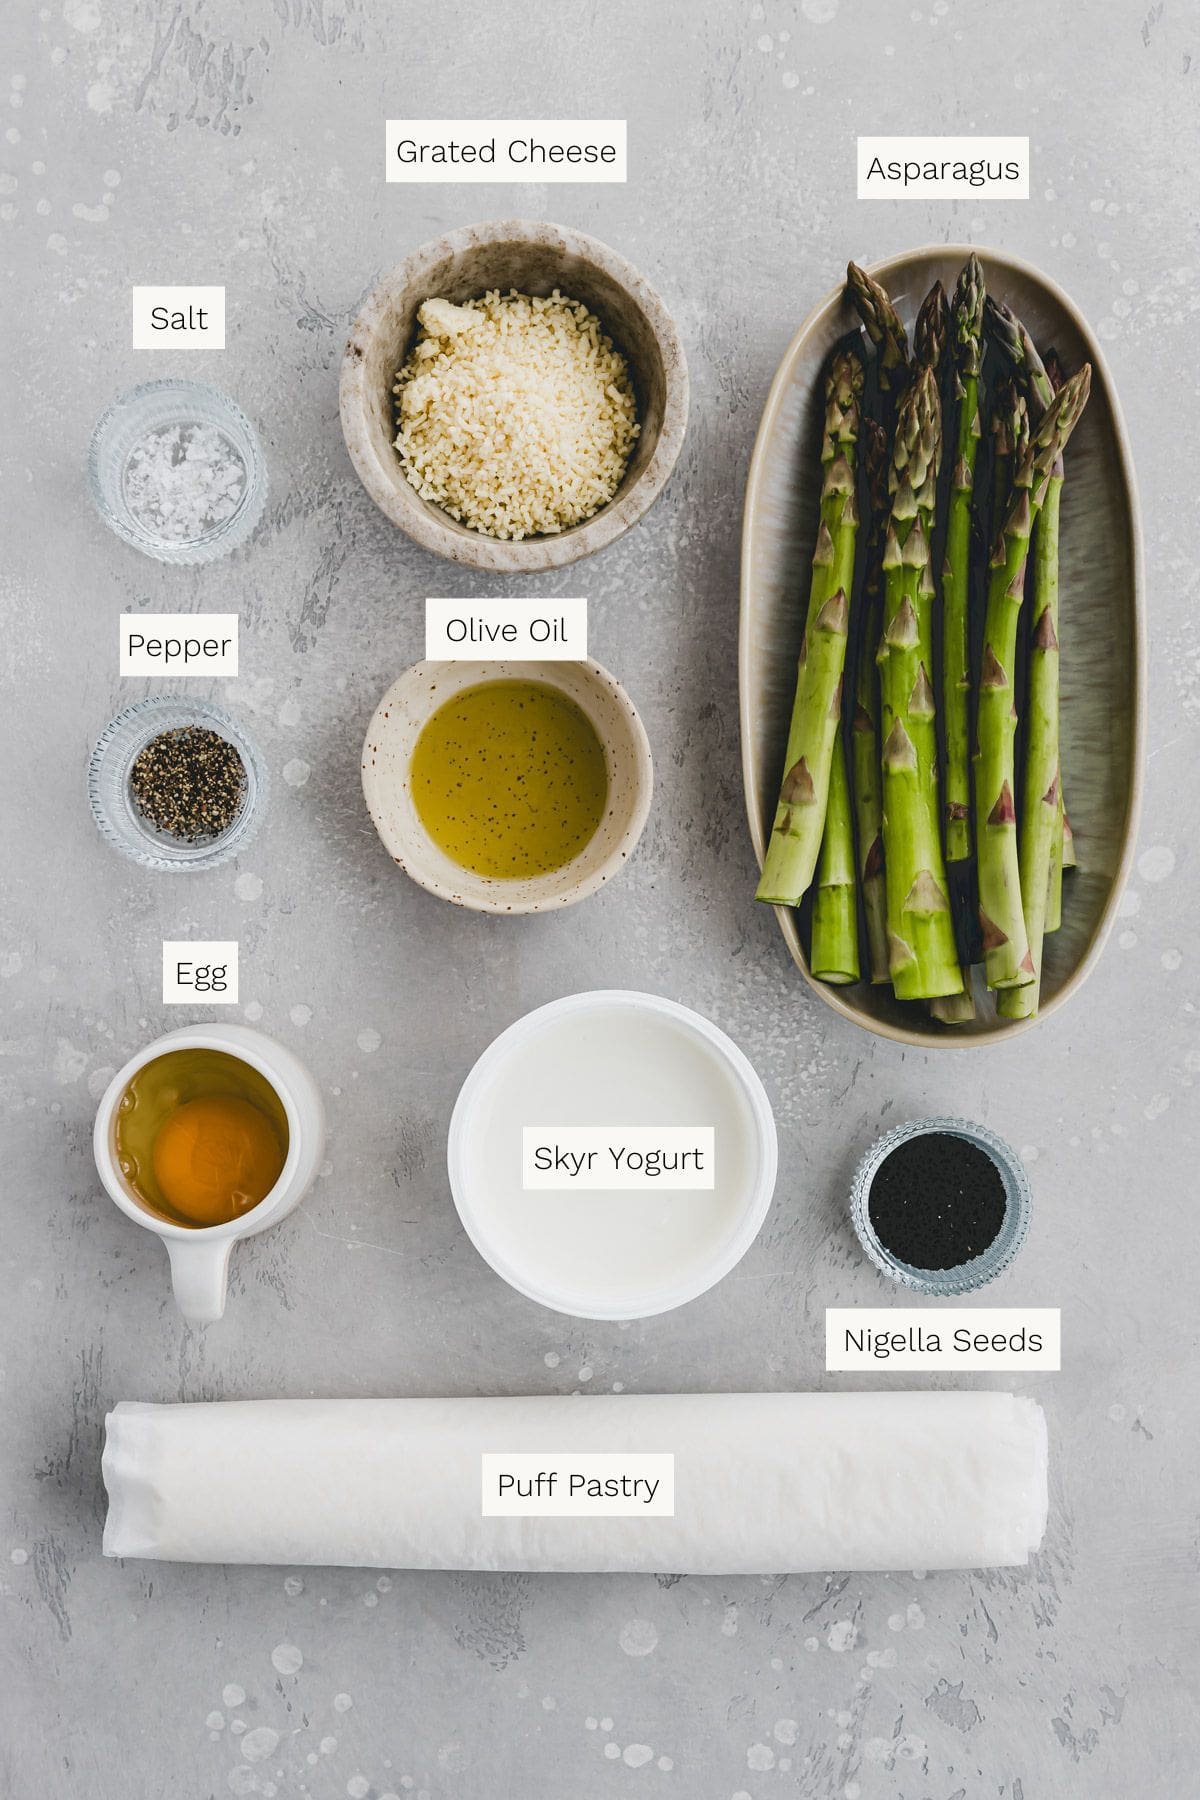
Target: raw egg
202	1137
215	1158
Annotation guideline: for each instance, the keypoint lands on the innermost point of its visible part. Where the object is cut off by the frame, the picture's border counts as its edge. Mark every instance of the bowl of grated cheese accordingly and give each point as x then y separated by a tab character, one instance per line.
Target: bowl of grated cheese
514	396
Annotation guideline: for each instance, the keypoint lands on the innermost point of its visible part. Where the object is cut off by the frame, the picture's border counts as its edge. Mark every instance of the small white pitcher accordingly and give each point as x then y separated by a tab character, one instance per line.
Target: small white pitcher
200	1255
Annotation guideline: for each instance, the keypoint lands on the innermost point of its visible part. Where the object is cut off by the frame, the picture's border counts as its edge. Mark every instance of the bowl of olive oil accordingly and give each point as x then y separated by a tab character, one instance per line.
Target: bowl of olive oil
508	787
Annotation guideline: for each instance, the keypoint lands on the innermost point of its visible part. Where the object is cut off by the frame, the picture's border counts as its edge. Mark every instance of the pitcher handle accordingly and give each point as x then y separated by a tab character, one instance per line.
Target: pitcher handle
199	1275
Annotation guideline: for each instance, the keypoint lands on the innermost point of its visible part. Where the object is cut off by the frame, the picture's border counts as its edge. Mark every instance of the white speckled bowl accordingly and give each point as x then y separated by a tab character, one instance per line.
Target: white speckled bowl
534	258
387	758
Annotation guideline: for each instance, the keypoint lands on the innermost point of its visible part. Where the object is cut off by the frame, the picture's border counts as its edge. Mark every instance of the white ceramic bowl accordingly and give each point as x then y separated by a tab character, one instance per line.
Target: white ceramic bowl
387	760
475	1166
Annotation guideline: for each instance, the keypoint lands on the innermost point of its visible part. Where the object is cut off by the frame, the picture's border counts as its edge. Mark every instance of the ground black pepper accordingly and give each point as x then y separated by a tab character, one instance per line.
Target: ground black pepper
936	1201
189	782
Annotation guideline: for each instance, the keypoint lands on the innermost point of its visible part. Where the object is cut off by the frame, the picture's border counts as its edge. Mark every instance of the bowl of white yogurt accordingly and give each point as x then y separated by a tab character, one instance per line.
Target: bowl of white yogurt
612	1155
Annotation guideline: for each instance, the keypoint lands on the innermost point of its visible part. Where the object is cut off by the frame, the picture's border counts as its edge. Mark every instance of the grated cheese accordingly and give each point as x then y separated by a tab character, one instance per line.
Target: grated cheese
514	413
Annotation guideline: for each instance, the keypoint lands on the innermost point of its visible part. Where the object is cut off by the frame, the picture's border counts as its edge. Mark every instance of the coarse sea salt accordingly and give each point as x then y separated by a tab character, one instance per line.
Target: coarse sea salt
183	481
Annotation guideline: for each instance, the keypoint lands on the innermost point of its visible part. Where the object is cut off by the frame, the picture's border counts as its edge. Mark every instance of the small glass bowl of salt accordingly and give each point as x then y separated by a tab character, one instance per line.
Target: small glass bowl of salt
176	469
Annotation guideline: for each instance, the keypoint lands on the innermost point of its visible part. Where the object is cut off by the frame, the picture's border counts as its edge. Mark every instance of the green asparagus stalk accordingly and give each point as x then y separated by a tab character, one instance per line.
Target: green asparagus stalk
864	736
1054	896
800	817
931	334
835	894
966	336
1069	858
882	324
1005	939
923	957
1041	795
1010	437
1041	827
1019	350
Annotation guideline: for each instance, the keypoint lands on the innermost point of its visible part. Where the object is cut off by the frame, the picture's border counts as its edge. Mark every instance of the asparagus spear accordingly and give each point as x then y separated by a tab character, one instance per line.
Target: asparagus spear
835	895
882	324
864	736
923	958
1018	349
1069	858
1054	895
800	817
1041	794
966	336
931	334
1005	940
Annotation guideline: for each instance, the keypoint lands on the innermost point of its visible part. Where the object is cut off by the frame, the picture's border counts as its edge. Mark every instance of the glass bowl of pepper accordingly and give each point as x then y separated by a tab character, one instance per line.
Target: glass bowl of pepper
176	784
941	1205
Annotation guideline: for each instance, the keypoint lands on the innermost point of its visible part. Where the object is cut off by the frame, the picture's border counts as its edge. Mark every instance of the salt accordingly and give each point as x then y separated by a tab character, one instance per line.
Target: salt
183	481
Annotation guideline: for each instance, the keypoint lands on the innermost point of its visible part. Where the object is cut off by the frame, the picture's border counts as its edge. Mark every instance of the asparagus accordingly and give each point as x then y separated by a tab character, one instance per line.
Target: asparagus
1041	829
1041	793
864	736
835	895
800	817
1018	349
966	337
1054	887
923	958
1005	939
882	324
1069	859
931	334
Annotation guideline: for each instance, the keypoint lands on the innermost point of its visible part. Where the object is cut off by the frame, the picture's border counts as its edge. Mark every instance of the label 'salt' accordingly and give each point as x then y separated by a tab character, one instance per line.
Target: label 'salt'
497	630
951	1337
505	150
943	168
597	1484
568	1157
179	644
179	318
199	973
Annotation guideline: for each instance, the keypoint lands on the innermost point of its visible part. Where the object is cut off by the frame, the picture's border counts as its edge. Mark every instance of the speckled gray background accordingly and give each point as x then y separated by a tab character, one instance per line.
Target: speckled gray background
241	141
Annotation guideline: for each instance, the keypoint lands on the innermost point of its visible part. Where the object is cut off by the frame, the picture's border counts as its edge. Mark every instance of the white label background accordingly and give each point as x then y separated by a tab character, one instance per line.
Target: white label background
579	1139
601	1465
198	956
178	299
546	132
188	629
495	614
1046	1321
942	149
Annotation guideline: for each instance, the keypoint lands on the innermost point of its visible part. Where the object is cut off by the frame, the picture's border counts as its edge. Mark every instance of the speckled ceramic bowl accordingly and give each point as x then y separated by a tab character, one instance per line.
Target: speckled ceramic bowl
533	258
387	760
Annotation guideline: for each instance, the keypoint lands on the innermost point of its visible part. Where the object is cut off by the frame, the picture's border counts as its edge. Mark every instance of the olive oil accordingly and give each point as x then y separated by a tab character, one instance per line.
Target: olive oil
509	779
201	1136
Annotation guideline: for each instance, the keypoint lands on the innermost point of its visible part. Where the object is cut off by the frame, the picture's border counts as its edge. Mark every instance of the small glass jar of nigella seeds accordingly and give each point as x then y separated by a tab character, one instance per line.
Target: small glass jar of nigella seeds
176	785
941	1205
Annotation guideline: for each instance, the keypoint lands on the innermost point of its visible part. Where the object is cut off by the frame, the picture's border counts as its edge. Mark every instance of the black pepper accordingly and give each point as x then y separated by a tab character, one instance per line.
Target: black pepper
936	1201
190	783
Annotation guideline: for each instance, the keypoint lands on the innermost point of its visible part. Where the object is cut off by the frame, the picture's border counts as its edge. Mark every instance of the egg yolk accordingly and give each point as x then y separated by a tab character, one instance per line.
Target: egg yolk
215	1158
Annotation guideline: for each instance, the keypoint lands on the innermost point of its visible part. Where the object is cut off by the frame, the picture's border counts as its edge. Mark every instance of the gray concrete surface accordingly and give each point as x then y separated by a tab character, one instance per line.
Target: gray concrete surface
242	143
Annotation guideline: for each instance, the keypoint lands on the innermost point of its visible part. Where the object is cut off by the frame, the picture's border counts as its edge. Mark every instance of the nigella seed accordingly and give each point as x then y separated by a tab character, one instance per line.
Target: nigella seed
937	1201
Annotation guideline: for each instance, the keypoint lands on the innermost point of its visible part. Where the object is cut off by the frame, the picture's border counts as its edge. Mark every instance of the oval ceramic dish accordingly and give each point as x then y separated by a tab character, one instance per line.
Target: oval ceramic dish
1103	663
534	258
387	759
